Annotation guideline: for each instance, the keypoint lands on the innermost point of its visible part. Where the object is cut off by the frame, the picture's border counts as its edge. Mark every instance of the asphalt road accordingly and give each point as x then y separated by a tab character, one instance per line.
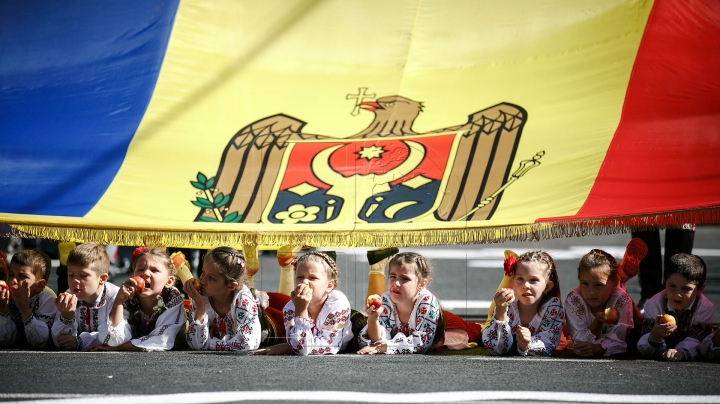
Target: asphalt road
467	274
57	375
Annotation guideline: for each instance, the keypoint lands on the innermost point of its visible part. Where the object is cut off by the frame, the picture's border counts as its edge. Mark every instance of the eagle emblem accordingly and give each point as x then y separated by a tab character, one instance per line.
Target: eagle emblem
272	172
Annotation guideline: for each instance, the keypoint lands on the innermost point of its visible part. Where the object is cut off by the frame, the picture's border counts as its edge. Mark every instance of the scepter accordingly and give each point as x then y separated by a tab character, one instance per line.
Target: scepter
525	166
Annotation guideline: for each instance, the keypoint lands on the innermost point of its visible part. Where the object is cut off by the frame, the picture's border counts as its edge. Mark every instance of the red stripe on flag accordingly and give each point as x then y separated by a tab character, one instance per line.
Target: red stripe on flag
664	155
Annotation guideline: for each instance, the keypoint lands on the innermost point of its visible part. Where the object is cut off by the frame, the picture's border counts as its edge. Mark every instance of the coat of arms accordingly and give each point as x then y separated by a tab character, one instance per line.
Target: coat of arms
272	172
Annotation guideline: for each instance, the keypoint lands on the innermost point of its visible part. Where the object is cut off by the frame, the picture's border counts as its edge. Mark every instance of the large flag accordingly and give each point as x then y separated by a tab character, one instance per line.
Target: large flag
356	123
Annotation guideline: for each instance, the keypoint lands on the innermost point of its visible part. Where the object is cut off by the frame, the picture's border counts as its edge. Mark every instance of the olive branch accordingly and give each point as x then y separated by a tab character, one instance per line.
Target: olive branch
215	204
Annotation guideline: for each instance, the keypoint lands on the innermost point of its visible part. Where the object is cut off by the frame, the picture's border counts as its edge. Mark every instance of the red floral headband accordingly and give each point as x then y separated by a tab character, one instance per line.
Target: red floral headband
138	251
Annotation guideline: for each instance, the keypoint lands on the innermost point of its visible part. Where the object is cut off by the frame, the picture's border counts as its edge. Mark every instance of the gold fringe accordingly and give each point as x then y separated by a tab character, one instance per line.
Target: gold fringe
408	238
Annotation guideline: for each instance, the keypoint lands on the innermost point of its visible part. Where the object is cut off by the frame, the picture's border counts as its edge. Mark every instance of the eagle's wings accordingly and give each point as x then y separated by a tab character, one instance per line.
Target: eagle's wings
483	161
251	162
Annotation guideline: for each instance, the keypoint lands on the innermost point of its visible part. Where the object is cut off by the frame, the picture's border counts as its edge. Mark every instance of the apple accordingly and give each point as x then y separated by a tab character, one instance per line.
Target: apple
610	316
196	284
667	319
374	300
68	296
4	286
140	283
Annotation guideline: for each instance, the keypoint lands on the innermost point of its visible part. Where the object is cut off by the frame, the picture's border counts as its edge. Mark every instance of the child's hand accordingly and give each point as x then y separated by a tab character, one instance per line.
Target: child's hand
587	349
126	290
279	349
583	348
522	335
673	355
67	342
66	305
22	300
301	296
372	349
373	312
193	293
660	331
504	297
4	300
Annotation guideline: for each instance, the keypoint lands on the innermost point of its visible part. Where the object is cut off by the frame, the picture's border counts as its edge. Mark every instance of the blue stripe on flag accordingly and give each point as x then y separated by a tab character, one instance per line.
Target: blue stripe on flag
75	80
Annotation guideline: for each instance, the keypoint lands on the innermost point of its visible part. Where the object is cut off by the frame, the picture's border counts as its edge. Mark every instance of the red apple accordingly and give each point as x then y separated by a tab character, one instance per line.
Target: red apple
140	283
4	286
68	296
374	300
196	284
667	319
610	316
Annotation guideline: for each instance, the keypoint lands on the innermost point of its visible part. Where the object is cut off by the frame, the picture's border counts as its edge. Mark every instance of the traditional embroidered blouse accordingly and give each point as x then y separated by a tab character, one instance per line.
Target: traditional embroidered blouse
414	337
708	349
151	333
693	325
89	326
545	329
579	317
330	333
14	332
239	330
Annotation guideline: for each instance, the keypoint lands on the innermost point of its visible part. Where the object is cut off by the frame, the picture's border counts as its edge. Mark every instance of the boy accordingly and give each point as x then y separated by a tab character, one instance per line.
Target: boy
82	314
27	309
683	300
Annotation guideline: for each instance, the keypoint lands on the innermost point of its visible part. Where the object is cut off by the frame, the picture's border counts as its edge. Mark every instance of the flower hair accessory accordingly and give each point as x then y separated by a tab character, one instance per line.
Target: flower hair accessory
160	304
137	252
509	264
294	264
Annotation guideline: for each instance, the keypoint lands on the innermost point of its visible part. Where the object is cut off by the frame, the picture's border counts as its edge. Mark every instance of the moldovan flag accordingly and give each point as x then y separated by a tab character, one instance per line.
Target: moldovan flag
356	123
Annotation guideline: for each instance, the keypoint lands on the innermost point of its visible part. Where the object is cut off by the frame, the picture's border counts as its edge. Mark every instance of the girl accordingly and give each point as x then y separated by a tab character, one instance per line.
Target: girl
530	315
224	314
410	319
317	318
599	290
150	318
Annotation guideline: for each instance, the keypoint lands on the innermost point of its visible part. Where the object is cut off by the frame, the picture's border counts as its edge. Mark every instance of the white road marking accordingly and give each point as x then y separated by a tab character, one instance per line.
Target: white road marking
356	396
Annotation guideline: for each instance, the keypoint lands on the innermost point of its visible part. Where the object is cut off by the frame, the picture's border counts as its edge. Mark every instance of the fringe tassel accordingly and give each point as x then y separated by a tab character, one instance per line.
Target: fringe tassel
357	238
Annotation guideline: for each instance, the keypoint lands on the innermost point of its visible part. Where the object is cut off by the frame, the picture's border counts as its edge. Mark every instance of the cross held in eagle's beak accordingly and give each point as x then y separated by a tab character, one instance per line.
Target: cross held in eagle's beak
359	98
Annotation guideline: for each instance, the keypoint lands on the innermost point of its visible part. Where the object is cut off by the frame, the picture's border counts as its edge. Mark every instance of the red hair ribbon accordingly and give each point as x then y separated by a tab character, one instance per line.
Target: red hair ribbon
509	265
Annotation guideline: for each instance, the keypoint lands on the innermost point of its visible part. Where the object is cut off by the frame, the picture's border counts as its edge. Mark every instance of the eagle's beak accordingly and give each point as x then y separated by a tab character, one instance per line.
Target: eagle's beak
370	106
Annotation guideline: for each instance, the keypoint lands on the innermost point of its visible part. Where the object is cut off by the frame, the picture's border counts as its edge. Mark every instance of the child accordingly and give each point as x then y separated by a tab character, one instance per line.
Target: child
224	313
27	308
151	319
410	319
682	299
599	290
317	318
530	315
82	317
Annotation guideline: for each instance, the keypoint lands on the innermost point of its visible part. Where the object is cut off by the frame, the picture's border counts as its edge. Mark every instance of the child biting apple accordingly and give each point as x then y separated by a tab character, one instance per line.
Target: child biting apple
27	306
82	318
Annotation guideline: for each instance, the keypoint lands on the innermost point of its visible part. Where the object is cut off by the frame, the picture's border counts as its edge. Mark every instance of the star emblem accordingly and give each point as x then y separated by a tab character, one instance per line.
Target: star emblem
371	152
